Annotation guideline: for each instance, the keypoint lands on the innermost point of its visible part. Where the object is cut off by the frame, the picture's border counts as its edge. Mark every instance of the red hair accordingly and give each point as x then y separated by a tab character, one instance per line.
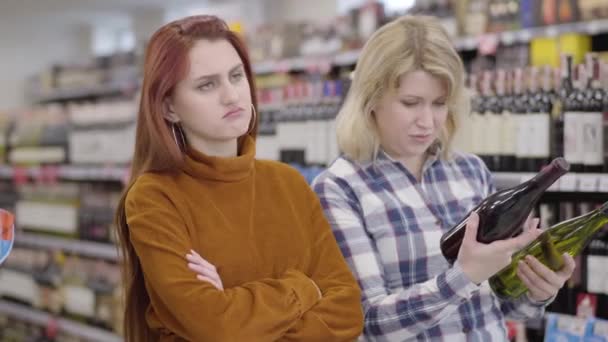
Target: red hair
166	63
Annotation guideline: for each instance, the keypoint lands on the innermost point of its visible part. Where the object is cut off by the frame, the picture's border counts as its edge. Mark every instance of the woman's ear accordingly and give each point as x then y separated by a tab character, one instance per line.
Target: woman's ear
169	112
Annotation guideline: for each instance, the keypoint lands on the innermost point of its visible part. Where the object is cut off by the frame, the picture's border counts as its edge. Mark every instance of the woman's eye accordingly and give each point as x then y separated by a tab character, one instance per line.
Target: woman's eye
409	103
206	86
237	77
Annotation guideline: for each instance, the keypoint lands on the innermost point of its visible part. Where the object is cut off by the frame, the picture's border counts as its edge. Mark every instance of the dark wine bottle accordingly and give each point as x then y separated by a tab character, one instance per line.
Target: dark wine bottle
570	237
482	122
592	125
563	89
520	109
573	140
502	214
539	123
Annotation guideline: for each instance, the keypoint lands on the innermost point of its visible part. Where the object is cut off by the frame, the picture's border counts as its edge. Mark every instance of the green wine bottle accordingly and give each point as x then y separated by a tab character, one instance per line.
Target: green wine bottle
570	237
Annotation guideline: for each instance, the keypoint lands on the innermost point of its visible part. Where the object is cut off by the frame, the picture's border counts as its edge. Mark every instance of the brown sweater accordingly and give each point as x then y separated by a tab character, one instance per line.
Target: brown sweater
261	225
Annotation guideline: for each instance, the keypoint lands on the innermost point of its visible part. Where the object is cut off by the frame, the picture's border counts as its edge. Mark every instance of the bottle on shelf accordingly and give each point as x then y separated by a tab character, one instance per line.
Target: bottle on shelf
502	214
522	126
604	82
565	136
592	118
506	129
537	123
571	237
486	141
544	98
494	121
49	280
573	117
475	142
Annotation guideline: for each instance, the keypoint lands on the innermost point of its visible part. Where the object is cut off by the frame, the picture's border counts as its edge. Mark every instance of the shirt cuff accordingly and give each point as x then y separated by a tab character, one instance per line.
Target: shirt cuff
539	304
455	283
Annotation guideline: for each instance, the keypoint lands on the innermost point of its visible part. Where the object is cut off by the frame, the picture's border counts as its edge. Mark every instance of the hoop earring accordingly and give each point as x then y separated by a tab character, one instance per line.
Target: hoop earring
254	115
175	127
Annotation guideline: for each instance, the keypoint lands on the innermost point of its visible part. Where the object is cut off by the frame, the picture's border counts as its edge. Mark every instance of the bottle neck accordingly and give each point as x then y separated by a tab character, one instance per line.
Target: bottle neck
586	225
548	175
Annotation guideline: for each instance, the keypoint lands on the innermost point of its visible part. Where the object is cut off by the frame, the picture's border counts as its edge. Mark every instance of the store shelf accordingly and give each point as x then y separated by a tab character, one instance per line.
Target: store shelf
70	172
84	248
588	183
462	43
79	330
591	27
61	95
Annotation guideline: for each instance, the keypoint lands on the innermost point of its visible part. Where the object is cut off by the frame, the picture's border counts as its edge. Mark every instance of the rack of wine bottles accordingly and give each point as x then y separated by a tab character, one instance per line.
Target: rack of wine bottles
297	115
524	117
63	272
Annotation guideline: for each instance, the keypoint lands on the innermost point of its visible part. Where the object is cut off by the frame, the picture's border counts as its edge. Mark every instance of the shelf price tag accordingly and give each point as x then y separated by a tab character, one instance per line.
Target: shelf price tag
20	176
488	43
568	182
588	182
49	174
603	183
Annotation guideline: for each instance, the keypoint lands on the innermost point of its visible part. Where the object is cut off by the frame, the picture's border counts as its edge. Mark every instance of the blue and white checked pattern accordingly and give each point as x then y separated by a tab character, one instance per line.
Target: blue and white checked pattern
388	226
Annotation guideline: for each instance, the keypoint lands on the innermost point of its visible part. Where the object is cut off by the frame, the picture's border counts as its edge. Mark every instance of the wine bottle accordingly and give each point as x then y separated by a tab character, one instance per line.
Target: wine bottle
604	82
573	149
546	98
563	89
592	126
494	124
539	123
570	236
511	127
507	123
502	214
481	122
520	109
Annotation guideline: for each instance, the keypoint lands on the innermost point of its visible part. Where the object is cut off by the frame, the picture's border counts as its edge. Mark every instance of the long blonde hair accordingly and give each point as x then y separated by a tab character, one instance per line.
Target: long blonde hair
406	44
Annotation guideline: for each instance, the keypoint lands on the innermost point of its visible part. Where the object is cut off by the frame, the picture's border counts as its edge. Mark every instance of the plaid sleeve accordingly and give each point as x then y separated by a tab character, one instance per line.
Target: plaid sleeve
523	308
388	316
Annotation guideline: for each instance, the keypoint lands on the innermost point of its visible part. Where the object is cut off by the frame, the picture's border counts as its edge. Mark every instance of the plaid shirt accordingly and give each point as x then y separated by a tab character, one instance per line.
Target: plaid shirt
388	226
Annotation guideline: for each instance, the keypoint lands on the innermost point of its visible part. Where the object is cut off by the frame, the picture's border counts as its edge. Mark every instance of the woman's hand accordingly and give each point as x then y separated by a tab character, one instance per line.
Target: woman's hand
480	261
541	281
204	270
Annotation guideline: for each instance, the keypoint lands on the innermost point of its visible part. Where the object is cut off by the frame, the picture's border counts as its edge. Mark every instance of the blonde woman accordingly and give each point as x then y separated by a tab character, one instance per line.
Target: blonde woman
399	186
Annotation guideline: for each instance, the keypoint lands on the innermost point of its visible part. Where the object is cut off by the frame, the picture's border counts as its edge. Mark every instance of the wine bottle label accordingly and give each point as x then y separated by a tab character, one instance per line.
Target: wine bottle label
523	140
596	273
479	136
593	138
463	138
493	135
572	151
539	133
509	140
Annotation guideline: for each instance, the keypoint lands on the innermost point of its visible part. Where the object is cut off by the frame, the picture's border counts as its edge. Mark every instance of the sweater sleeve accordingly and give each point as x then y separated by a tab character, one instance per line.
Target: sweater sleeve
338	316
262	310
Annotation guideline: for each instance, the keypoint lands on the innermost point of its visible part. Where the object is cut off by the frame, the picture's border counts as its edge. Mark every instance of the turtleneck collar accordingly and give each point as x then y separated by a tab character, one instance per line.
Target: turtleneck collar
231	169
